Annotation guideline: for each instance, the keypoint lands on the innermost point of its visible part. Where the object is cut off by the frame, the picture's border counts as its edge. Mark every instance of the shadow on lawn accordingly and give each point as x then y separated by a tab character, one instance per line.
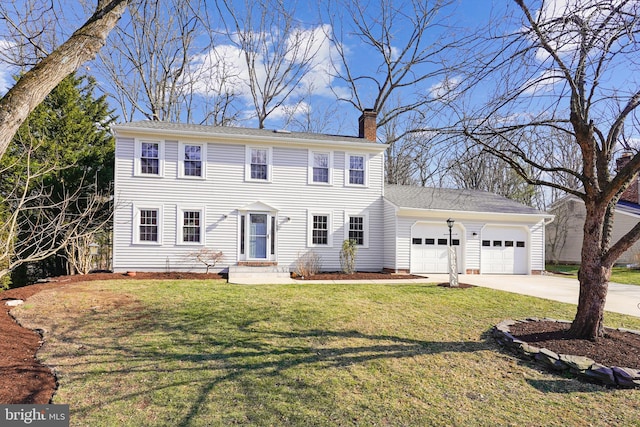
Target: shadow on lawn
254	353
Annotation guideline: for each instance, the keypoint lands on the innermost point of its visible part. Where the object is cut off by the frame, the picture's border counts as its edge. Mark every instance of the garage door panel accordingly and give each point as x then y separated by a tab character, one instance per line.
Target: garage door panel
429	248
504	250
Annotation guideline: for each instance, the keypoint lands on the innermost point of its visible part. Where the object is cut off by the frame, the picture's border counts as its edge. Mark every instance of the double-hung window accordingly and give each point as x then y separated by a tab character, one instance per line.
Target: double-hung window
357	229
192	157
258	164
320	232
149	158
190	226
148	225
357	169
320	167
319	229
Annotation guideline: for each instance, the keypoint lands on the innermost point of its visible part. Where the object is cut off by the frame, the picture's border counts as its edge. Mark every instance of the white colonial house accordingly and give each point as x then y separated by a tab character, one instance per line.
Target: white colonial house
265	198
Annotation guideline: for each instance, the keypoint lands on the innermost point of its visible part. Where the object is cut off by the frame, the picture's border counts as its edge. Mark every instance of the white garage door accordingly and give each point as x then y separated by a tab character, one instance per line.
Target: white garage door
504	250
429	248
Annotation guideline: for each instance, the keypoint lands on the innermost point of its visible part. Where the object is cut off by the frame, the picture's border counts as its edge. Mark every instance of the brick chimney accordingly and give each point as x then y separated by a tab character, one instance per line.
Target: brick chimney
367	125
631	194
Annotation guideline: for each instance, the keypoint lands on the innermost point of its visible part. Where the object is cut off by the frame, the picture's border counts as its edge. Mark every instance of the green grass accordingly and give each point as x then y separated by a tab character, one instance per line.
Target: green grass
192	353
618	275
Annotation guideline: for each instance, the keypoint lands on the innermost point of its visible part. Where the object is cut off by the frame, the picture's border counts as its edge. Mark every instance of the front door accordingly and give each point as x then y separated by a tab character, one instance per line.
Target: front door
258	236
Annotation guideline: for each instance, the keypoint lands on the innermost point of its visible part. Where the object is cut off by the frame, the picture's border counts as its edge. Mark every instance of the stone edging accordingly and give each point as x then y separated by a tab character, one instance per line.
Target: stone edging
562	363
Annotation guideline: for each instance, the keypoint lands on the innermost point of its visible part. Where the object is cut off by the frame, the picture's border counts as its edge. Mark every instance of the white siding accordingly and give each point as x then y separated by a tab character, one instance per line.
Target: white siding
537	247
225	190
472	248
390	233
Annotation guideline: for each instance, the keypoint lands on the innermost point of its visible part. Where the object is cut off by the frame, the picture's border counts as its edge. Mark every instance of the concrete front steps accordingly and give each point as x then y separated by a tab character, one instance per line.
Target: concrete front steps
254	275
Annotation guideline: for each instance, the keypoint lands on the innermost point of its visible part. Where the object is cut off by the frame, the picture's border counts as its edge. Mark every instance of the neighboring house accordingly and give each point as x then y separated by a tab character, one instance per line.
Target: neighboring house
266	198
564	235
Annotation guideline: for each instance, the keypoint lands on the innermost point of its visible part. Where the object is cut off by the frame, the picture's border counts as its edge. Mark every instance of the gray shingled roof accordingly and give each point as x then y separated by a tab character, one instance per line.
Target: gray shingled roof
239	131
407	196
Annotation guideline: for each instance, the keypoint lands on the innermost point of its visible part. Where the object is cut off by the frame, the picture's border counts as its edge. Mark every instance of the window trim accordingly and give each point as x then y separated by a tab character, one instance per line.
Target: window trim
310	167
180	210
247	163
181	160
136	224
310	215
347	170
365	225
137	165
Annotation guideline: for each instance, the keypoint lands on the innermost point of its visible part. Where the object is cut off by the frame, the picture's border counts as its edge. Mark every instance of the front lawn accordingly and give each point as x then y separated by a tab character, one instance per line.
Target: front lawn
196	353
618	275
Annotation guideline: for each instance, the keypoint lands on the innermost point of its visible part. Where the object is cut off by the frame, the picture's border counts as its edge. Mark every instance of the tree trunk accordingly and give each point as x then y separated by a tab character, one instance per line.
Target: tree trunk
31	89
594	278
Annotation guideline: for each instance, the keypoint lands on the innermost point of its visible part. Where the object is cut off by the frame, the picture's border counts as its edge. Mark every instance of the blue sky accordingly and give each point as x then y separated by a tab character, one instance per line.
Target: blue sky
467	12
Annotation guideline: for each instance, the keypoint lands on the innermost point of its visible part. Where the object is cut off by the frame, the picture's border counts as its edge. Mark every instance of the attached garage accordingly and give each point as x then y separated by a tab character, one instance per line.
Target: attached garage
430	248
491	234
504	250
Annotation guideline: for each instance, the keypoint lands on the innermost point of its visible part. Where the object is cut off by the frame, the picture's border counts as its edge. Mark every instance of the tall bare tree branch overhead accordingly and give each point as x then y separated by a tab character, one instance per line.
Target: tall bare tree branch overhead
565	74
35	84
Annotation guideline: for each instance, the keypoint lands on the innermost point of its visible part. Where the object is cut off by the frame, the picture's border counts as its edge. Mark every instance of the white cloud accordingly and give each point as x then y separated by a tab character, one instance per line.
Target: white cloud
224	68
445	90
564	35
7	71
545	82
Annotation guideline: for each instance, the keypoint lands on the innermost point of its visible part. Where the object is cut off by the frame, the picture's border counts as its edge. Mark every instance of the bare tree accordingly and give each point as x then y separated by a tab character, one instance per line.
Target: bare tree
567	68
473	167
34	85
405	47
277	52
154	66
35	223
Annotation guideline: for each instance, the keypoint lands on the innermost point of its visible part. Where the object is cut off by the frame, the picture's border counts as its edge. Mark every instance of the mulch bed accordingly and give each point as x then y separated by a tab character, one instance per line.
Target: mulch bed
25	381
617	348
358	275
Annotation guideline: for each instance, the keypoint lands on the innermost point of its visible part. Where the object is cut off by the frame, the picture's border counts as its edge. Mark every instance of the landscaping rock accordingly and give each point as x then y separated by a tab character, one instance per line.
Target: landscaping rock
582	366
626	377
14	302
577	363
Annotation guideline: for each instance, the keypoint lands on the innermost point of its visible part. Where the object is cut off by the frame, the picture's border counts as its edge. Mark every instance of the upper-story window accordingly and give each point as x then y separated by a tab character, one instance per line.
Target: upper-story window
192	158
320	167
356	164
258	166
149	158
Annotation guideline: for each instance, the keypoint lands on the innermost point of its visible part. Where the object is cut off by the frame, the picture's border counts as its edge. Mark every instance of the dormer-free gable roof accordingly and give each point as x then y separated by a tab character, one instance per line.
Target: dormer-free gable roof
161	129
455	200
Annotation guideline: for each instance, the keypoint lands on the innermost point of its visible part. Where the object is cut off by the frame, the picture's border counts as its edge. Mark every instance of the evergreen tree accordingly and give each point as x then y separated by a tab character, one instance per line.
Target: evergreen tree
57	166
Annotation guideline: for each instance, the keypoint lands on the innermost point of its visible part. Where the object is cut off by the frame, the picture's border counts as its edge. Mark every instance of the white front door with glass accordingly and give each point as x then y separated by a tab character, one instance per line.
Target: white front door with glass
258	236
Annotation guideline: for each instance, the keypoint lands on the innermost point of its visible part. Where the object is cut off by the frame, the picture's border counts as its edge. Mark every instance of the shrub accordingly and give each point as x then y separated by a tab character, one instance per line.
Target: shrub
348	256
308	264
208	257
